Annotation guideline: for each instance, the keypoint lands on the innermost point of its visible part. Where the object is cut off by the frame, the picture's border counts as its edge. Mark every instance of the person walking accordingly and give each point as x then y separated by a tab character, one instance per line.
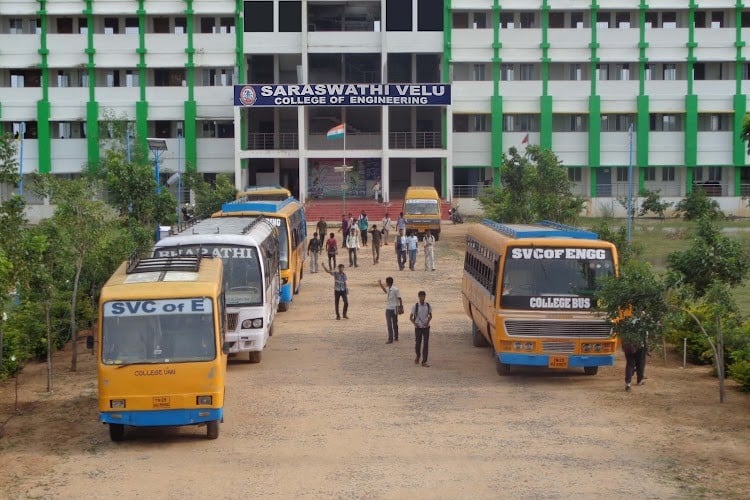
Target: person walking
364	225
376	240
400	246
344	229
421	315
393	303
412	245
313	251
322	227
340	289
635	359
332	248
429	251
387	226
376	190
352	244
401	223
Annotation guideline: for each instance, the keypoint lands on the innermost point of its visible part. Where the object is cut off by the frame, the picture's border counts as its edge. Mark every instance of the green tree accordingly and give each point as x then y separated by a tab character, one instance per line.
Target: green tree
745	134
534	186
697	205
81	219
8	163
652	203
209	198
712	257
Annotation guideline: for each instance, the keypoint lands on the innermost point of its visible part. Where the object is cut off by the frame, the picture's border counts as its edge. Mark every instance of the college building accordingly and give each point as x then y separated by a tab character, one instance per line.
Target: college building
325	96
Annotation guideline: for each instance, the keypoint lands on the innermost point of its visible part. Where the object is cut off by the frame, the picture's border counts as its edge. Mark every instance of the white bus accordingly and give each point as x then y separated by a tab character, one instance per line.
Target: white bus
249	249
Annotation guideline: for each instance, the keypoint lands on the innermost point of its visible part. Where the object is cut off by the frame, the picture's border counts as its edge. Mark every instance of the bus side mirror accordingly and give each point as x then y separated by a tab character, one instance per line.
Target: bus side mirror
225	347
90	342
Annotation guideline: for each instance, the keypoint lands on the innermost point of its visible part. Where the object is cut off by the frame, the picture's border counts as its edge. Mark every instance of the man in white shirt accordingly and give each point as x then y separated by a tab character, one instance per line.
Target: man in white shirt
352	244
429	251
421	315
392	304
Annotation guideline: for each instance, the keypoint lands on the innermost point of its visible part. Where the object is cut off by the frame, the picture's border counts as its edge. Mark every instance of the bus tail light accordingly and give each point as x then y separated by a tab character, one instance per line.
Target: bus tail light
117	403
204	400
253	323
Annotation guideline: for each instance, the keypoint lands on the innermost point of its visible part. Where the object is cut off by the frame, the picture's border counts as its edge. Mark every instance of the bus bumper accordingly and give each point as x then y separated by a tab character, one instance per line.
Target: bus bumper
154	418
286	293
246	340
510	358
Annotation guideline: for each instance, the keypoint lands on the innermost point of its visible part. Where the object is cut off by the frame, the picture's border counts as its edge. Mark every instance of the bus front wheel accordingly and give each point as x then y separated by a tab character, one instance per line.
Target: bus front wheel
477	339
212	429
116	432
590	370
503	369
255	356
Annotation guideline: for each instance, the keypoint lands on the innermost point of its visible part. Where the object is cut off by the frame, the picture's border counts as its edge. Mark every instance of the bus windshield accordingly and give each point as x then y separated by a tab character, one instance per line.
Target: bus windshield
421	207
534	272
158	331
241	270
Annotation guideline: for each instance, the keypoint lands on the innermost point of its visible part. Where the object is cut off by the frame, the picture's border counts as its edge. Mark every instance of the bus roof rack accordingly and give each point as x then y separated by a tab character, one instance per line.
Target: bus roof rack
190	263
245	205
542	229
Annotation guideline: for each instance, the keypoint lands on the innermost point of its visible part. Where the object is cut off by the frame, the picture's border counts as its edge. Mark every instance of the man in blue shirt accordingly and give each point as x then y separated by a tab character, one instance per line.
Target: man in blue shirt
412	244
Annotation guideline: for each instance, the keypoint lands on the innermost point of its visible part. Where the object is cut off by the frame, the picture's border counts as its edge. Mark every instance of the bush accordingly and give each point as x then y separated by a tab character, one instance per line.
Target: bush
697	205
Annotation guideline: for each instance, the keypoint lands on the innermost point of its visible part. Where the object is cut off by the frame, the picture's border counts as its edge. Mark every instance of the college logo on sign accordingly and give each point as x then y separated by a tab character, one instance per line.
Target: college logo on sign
247	95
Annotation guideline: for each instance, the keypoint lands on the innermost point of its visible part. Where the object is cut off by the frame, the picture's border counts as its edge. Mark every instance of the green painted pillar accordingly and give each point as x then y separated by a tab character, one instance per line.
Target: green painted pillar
141	107
642	118
739	102
191	107
496	100
595	104
691	130
92	106
239	23
43	108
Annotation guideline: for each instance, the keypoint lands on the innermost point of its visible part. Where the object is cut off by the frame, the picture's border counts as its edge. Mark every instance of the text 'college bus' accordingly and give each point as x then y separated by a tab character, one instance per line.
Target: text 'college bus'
161	360
529	291
289	217
249	249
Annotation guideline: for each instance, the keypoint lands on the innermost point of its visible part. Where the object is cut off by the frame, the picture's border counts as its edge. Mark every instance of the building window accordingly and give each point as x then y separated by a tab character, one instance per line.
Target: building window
180	25
111	26
131	25
506	20
669	72
622	20
622	174
649	174
715	122
556	20
576	20
174	77
521	123
217	77
575	72
623	71
602	71
480	72
665	122
569	123
507	72
714	174
526	72
258	17
527	20
617	122
667	174
460	20
574	174
471	123
602	20
161	25
290	17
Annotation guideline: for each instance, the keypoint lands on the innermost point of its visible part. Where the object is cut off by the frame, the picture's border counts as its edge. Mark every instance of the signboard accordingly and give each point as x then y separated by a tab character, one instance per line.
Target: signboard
216	251
343	94
120	308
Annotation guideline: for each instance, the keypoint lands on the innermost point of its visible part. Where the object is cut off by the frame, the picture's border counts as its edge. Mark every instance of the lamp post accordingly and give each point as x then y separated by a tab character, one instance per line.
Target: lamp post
630	184
344	169
179	177
157	147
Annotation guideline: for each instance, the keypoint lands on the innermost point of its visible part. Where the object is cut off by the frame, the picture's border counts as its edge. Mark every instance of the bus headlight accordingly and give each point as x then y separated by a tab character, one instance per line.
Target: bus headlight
586	348
253	323
117	403
204	400
529	346
517	346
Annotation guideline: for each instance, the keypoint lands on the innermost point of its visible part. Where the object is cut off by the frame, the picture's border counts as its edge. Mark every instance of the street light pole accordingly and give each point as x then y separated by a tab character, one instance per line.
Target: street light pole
179	178
343	169
22	133
630	185
157	147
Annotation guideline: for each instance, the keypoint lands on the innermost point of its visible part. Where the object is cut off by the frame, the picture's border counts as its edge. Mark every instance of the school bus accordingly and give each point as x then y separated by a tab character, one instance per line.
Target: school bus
529	290
267	193
249	250
422	210
289	217
161	358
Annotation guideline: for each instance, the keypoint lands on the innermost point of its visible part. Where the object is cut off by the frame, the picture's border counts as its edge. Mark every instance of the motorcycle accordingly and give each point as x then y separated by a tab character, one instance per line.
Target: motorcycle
455	216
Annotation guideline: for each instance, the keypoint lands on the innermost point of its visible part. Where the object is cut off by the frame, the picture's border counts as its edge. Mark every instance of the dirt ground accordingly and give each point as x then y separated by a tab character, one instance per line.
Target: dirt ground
334	412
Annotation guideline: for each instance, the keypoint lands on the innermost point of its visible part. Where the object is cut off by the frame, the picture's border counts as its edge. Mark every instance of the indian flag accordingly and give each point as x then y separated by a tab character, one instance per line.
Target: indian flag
336	132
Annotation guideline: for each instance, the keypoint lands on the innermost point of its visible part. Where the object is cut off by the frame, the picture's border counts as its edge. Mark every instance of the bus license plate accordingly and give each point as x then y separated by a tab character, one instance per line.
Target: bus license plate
161	402
558	361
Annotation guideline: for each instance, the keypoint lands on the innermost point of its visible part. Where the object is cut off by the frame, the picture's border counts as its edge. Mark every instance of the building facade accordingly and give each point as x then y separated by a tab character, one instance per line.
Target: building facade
607	85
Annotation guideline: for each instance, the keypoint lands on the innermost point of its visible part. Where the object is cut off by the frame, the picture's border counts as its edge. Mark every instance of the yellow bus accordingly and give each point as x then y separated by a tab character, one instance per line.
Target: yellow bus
529	290
289	217
422	210
267	193
161	355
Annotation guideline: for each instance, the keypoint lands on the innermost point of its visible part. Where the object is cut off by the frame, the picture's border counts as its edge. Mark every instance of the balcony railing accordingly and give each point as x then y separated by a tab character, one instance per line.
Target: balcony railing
282	140
415	140
467	190
744	190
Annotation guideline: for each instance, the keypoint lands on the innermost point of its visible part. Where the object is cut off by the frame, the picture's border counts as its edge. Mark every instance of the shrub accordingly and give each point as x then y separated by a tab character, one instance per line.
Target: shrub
697	204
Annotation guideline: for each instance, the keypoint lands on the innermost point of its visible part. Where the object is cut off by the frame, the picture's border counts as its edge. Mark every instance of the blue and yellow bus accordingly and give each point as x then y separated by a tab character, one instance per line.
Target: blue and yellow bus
249	249
529	290
289	217
161	358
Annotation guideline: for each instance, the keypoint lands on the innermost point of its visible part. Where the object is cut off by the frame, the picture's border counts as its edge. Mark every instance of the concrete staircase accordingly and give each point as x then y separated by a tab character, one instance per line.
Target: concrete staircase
333	209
